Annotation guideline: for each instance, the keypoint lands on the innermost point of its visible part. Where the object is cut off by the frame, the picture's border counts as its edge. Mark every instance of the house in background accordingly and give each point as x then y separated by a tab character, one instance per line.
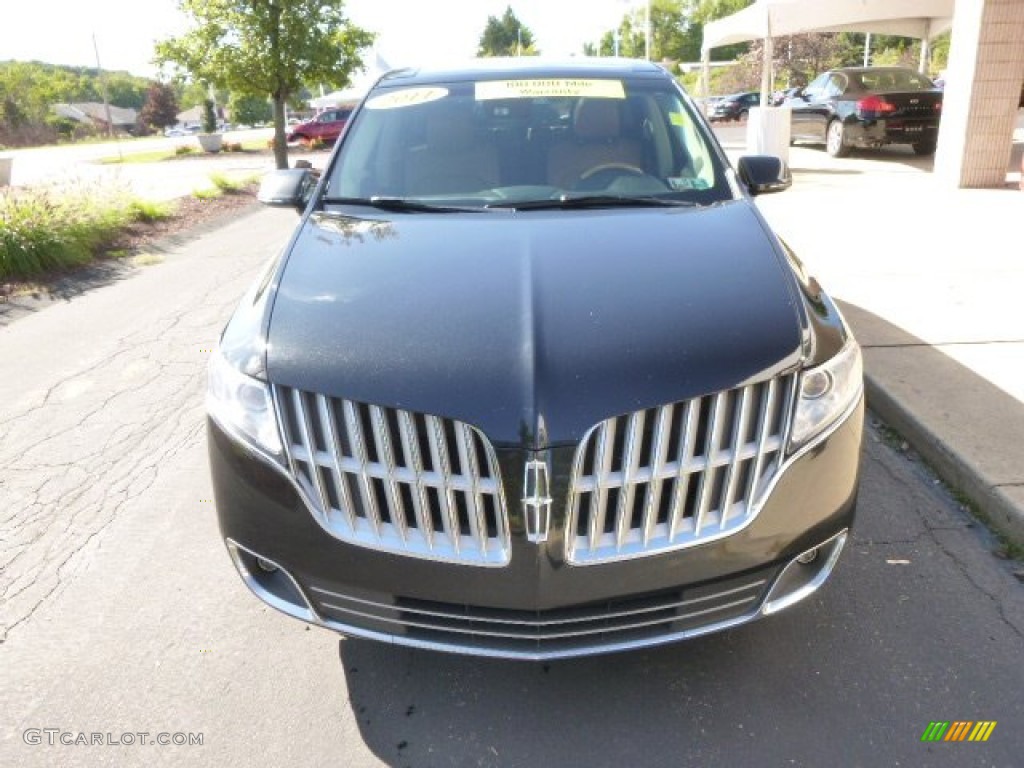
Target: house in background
191	120
94	114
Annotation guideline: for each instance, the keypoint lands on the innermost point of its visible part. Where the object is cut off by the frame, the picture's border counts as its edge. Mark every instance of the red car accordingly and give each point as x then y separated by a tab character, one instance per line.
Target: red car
326	126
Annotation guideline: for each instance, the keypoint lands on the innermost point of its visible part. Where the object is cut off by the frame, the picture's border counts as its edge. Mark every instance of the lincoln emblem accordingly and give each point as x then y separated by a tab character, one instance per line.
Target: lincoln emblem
536	501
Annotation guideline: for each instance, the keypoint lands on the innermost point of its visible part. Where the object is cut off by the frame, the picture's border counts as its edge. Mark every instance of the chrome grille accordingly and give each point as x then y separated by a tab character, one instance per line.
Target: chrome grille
395	480
677	475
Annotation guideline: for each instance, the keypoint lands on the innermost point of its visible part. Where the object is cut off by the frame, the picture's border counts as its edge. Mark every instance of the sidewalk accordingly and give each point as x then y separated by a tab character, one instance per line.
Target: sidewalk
932	282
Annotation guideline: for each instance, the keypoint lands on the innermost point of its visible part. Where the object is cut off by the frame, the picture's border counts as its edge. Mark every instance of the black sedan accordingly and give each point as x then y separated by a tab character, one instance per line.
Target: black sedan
533	378
868	107
735	106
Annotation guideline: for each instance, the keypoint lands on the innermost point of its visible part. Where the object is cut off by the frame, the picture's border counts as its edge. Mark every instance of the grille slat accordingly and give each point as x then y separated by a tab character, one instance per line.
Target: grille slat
630	464
710	461
332	435
477	520
659	452
602	468
739	430
394	480
682	486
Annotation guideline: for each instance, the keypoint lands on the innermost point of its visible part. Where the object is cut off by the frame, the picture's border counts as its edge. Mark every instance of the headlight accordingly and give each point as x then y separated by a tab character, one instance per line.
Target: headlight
242	405
826	392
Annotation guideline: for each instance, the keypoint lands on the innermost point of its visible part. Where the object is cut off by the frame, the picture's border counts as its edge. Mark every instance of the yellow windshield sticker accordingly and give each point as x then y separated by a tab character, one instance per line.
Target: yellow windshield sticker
407	97
552	89
676	118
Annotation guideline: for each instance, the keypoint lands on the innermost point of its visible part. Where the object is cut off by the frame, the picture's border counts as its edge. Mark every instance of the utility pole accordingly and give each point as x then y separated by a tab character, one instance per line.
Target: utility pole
867	49
103	88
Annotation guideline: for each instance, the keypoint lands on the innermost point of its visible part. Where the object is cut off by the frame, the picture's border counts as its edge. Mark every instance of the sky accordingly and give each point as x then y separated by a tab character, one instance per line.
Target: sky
409	31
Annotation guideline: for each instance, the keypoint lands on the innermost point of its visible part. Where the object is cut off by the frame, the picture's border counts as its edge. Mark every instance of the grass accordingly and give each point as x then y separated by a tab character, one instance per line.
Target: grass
206	194
149	211
44	230
147	259
226	184
154	156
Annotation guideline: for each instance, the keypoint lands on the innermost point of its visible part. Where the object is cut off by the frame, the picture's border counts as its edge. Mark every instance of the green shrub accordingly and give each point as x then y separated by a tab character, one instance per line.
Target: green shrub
206	194
225	184
43	230
209	117
150	210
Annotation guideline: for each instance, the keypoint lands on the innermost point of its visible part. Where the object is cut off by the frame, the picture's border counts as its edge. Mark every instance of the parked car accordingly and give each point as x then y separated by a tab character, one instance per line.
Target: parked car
326	126
533	378
868	107
780	97
735	106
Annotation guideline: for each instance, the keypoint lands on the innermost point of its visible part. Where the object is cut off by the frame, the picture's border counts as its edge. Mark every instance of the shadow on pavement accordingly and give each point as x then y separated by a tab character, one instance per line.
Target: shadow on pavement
69	286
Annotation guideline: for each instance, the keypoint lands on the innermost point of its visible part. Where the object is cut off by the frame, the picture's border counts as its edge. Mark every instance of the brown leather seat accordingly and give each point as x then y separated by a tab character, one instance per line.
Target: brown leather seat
453	159
597	141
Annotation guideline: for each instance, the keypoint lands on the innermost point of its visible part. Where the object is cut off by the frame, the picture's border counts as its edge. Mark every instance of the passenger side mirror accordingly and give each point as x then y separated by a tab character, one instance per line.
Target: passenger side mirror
288	188
764	174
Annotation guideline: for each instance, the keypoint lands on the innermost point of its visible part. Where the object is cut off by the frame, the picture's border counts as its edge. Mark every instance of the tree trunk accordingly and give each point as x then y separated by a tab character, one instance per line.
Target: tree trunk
280	145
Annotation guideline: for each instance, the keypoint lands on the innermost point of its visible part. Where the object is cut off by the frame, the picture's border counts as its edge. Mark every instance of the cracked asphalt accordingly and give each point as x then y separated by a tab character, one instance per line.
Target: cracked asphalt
120	612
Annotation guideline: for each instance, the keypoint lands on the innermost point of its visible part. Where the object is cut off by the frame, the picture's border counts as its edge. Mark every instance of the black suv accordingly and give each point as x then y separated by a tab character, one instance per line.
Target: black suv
533	378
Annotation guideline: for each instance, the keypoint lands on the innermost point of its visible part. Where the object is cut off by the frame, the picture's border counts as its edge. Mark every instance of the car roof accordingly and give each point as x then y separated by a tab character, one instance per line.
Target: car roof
861	70
523	67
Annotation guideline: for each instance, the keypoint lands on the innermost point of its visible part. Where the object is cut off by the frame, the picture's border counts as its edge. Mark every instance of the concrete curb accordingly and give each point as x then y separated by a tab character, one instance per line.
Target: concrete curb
994	505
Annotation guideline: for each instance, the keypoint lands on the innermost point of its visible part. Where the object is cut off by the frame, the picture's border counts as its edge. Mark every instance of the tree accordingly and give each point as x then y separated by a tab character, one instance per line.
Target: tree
267	48
700	12
797	60
506	36
677	30
249	110
161	107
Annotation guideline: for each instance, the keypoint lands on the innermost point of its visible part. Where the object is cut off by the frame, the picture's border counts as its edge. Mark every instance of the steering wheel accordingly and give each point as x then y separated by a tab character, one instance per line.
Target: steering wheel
601	176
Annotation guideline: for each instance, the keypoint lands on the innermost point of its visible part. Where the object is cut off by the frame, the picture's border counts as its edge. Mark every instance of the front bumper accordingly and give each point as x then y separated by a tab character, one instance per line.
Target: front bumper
538	606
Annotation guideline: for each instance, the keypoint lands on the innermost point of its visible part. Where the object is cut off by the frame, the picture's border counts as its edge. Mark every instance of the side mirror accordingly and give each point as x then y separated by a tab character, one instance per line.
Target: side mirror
288	188
764	173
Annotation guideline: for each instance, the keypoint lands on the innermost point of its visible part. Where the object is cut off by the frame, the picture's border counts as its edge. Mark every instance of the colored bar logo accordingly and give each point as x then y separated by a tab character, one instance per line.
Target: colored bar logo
958	730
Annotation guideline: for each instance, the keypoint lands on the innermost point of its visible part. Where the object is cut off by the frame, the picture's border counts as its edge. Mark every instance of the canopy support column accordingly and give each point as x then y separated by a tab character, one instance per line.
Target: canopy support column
766	65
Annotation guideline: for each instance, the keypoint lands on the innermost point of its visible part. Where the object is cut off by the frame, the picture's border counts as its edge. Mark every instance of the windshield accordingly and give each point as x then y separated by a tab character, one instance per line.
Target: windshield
502	143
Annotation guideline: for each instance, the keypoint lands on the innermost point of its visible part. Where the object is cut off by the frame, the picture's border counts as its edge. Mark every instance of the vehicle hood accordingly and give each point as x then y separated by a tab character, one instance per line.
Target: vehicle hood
533	326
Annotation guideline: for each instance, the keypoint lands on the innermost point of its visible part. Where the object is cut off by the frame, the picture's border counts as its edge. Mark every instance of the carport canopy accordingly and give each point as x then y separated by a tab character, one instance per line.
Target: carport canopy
766	19
779	18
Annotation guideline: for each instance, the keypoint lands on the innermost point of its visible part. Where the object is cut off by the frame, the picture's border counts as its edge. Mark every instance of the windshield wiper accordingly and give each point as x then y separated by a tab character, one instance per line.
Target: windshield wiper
596	201
400	204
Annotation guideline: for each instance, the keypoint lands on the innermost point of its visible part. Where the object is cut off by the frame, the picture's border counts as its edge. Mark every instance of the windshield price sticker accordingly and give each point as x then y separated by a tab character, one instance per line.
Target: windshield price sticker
407	97
552	89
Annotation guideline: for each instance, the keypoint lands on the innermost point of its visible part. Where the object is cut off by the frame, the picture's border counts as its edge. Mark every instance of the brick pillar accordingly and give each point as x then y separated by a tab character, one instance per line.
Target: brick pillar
983	82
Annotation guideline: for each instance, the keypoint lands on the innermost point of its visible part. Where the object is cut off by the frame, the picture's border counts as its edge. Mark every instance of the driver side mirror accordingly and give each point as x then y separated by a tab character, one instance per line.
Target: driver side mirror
288	188
764	174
